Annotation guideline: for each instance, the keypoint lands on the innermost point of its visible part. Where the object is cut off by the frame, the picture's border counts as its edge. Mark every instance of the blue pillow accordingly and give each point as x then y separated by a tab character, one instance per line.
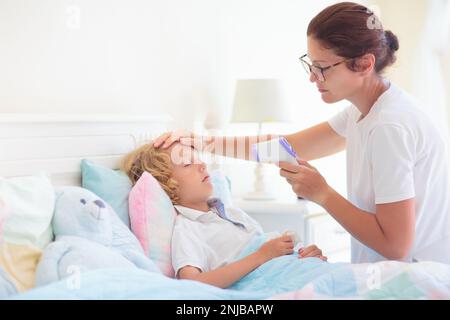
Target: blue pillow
113	186
221	187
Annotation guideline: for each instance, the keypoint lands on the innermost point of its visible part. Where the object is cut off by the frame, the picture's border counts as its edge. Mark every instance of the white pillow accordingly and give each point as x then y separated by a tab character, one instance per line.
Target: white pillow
4	212
31	202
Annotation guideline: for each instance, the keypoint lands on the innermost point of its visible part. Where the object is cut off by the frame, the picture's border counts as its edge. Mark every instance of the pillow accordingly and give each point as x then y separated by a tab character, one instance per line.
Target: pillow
4	213
152	218
31	201
221	187
7	286
113	186
20	262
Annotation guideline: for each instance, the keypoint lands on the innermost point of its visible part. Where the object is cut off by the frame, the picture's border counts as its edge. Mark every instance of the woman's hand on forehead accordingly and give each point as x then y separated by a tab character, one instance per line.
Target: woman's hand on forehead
189	155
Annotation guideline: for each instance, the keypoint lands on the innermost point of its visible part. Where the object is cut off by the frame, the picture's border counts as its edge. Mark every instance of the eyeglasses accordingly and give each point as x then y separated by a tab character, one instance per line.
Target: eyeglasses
317	71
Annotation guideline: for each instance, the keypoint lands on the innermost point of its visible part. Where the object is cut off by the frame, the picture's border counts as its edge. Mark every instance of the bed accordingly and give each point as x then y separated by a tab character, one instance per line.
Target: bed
56	145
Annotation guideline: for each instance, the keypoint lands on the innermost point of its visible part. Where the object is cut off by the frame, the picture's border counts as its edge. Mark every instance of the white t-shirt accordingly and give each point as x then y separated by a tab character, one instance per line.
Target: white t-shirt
396	153
206	241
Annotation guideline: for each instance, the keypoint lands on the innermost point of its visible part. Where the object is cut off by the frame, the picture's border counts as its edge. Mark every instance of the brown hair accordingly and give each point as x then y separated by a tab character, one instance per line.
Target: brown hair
351	30
157	162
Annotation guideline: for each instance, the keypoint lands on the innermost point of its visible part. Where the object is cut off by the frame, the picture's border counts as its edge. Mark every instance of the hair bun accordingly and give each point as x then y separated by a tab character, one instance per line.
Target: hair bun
392	40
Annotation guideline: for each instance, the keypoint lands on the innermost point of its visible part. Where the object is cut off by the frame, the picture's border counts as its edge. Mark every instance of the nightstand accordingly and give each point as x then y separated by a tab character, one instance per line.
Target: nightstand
309	220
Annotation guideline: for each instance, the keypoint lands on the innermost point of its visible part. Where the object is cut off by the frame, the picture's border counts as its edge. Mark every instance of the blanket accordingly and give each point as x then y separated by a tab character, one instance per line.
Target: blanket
286	277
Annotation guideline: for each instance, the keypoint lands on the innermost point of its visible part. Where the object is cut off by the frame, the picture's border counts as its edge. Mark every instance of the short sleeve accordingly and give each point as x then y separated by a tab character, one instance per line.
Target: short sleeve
392	156
339	122
187	250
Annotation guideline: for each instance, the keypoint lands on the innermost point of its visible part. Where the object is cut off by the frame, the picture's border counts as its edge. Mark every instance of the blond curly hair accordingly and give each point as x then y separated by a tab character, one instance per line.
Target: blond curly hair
155	161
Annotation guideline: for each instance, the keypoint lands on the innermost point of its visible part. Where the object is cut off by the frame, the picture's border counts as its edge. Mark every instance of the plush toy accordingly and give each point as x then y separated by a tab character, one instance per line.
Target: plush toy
88	235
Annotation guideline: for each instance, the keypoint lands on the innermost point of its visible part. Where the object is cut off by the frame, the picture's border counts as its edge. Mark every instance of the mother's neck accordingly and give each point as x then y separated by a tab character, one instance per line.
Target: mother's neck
366	96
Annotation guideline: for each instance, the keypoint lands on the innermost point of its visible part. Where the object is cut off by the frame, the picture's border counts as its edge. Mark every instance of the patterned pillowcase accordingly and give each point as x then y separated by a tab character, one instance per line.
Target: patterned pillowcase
152	218
31	201
4	213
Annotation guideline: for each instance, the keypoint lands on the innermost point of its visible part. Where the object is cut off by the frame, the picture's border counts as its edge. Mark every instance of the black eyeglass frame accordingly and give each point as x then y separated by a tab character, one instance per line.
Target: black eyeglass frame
322	69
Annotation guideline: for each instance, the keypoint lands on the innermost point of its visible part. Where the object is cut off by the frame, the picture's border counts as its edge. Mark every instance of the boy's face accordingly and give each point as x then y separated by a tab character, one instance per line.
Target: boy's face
191	174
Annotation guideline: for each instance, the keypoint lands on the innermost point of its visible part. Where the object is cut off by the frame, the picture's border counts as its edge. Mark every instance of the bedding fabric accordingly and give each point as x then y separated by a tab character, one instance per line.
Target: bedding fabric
152	218
20	262
113	186
7	287
318	279
31	202
4	213
285	277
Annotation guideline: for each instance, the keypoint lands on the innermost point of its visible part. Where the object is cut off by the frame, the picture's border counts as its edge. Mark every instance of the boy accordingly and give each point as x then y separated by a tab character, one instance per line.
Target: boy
207	237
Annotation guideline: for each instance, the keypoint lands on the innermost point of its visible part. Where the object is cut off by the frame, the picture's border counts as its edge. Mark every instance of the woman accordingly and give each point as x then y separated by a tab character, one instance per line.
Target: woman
398	178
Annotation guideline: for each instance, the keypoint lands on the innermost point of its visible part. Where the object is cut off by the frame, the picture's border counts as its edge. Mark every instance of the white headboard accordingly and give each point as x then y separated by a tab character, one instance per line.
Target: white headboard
55	144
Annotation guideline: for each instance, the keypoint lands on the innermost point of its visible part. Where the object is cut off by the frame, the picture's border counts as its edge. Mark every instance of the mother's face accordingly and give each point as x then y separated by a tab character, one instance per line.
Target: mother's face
340	82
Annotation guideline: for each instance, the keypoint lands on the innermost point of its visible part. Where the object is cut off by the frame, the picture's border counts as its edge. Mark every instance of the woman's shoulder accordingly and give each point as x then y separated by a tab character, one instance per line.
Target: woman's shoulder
400	109
400	103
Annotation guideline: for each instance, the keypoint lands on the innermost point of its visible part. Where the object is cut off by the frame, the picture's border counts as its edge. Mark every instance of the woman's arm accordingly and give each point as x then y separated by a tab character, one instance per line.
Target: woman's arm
317	142
390	231
313	143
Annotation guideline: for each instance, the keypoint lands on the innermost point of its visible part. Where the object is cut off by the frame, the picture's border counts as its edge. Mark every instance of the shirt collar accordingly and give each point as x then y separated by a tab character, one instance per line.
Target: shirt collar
382	100
191	214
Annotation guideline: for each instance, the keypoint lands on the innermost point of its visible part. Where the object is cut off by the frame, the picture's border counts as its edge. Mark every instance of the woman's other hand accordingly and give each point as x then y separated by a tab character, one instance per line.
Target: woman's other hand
306	181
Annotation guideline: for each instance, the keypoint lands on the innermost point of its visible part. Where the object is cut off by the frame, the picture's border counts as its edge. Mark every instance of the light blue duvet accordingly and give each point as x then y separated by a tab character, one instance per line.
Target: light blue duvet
285	277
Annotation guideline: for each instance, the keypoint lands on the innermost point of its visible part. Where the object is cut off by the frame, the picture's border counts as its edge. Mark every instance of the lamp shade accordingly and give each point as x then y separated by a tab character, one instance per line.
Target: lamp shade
259	100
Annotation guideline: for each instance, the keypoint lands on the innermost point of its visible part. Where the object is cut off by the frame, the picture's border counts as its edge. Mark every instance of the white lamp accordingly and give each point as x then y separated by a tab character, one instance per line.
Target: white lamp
259	100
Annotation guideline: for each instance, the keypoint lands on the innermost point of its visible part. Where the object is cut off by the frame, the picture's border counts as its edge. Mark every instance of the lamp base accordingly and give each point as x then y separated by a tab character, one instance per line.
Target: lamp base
259	196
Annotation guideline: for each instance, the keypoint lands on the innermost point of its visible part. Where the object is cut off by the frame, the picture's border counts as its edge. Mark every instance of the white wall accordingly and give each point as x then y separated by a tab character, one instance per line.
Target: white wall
123	56
144	57
407	20
265	39
139	56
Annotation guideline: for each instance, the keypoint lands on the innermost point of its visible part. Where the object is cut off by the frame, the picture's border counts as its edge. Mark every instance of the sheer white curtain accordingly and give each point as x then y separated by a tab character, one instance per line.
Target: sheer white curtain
429	85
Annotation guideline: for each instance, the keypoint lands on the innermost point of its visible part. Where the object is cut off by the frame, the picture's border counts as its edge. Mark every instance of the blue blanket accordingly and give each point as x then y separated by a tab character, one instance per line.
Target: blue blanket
132	284
7	287
286	277
289	273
